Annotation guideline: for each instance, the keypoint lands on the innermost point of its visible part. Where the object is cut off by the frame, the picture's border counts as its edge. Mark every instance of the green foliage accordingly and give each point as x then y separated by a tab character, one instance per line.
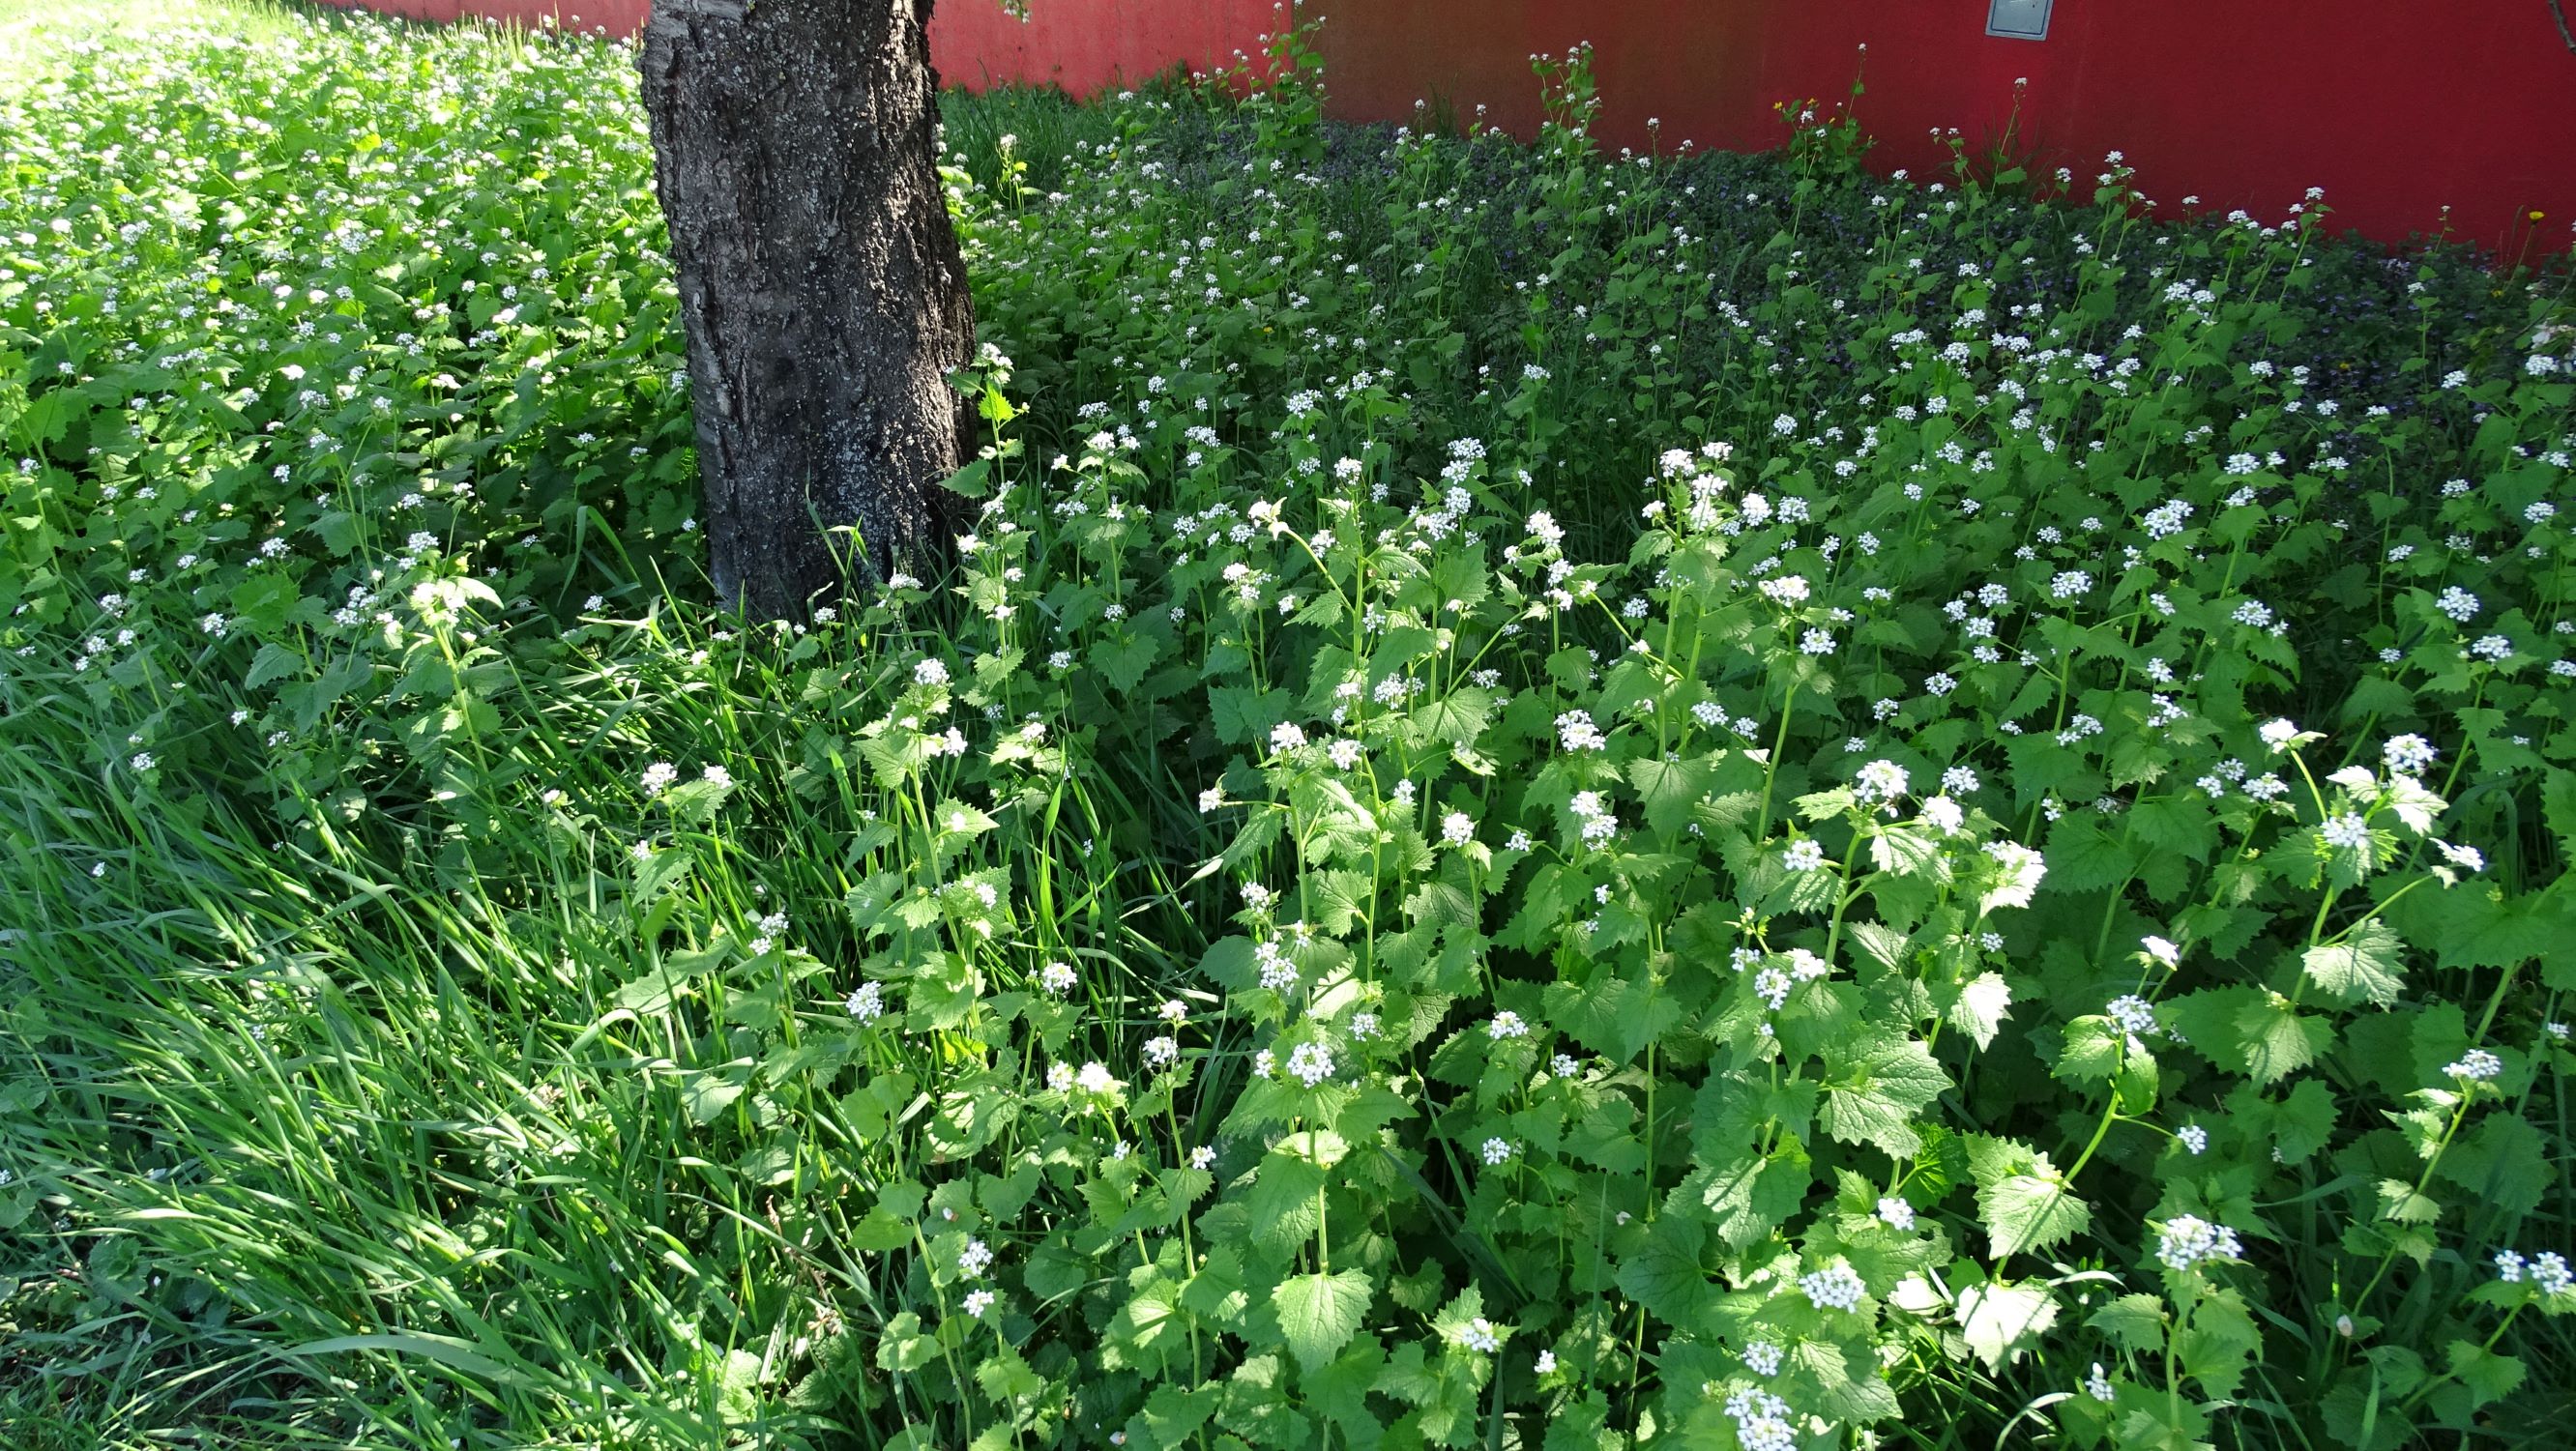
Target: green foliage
1560	800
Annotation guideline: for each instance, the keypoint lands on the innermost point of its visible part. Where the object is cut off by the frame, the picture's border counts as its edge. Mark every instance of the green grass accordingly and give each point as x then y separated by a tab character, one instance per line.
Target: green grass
458	989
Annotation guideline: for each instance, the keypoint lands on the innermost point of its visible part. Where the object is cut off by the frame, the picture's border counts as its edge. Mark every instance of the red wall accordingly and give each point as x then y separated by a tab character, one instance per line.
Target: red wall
2395	107
1086	45
1081	45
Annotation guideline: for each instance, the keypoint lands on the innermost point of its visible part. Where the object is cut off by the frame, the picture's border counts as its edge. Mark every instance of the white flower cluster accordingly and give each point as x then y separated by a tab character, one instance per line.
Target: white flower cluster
1762	1421
2187	1240
1835	1287
2546	1272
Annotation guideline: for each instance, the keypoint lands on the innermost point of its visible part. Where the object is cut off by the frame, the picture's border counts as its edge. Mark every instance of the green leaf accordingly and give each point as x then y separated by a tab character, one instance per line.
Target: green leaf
2092	1051
1282	1200
273	662
2219	1342
1243	715
1582	1425
1997	1321
1752	1196
2280	1040
2558	806
1670	789
903	1348
1591	1011
1902	850
2025	1203
1648	1015
446	1350
2367	963
1172	1414
2085	856
878	1230
2136	1323
1320	1313
1874	1100
2504	1162
870	1110
707	1095
2488	1375
969	482
1455	719
1984	1002
1664	1274
1054	1271
1122	663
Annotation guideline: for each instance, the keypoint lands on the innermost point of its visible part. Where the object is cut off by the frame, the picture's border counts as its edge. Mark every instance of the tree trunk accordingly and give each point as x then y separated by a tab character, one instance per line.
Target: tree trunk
820	282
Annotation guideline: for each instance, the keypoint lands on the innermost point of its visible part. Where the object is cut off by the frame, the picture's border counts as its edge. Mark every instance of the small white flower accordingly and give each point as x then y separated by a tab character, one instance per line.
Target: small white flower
2477	1066
1576	730
1310	1063
2188	1239
2134	1014
1879	781
2408	755
1835	1287
2550	1273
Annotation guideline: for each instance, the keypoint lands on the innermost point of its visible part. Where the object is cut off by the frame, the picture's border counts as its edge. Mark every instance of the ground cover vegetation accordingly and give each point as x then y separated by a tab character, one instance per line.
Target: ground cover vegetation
1560	799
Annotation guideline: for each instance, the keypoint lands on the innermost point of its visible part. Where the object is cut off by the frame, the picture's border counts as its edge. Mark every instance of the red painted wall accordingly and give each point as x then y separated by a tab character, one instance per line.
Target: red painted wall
1081	45
1087	45
2395	107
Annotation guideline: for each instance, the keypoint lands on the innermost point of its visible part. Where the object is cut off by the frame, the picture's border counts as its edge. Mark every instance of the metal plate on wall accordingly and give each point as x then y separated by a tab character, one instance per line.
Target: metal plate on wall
2018	19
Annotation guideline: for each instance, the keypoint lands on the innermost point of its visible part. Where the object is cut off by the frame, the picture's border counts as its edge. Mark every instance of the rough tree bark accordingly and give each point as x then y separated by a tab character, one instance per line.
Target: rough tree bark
820	282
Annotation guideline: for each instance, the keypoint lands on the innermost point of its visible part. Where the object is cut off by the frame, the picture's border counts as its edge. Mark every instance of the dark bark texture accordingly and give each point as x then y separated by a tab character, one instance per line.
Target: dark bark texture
820	282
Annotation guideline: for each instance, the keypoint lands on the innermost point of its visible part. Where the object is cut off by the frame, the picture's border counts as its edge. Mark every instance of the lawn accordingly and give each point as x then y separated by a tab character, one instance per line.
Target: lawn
1560	799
